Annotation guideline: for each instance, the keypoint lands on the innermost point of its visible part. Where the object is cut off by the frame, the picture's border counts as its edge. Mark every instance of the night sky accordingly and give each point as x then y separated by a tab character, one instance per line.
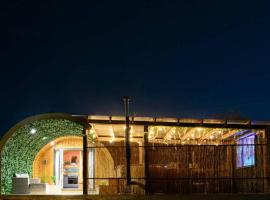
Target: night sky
188	58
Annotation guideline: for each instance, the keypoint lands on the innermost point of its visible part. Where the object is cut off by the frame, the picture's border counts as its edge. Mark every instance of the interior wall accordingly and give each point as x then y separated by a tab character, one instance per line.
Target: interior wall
43	165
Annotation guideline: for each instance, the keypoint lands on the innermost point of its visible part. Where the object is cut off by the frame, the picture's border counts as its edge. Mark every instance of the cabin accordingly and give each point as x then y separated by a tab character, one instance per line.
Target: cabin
63	154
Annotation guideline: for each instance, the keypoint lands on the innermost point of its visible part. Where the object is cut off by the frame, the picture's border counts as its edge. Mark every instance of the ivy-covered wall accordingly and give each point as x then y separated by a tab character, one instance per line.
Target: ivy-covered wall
21	148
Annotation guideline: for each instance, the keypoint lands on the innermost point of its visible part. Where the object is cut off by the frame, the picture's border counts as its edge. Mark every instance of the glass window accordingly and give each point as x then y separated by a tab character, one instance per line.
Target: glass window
246	151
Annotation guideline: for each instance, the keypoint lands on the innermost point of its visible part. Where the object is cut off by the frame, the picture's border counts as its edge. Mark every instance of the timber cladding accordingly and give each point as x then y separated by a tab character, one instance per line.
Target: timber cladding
204	169
140	197
43	166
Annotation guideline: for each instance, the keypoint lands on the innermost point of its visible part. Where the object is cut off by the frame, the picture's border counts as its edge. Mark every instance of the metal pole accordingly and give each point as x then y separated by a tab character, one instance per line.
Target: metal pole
127	141
146	166
85	163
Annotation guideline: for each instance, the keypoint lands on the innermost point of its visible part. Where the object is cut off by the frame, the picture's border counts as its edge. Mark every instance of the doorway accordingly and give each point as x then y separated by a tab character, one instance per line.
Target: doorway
68	168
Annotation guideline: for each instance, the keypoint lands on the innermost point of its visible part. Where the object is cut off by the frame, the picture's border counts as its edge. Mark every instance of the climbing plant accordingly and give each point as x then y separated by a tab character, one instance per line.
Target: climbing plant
21	148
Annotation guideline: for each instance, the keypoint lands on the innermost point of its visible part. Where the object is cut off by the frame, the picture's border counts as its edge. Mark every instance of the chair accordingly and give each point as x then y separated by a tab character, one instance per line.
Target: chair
20	185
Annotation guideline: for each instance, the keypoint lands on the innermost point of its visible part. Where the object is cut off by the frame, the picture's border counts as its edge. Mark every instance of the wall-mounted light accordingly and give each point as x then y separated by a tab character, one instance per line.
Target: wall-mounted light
33	131
44	138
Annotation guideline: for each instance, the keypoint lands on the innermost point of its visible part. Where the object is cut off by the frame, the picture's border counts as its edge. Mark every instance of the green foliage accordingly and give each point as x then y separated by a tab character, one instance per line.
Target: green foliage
53	179
21	148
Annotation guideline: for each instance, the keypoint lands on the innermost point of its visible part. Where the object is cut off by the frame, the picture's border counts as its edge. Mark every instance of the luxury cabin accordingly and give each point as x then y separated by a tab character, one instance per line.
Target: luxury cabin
65	154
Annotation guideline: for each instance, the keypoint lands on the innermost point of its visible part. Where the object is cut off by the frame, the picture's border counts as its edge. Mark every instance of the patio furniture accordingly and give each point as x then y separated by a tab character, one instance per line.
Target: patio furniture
38	188
20	185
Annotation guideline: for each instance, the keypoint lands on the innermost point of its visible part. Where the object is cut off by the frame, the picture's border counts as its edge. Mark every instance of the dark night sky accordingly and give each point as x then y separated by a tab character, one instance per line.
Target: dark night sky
188	58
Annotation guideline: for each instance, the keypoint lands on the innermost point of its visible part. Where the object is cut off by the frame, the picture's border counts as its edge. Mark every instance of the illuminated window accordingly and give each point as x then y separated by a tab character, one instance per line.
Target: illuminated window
246	151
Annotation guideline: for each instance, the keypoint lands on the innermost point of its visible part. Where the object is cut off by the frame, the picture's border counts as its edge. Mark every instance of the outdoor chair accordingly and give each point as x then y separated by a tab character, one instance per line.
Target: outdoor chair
22	184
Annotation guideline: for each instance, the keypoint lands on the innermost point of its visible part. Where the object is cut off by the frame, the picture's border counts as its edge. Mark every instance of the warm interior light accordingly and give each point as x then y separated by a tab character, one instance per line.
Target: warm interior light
52	143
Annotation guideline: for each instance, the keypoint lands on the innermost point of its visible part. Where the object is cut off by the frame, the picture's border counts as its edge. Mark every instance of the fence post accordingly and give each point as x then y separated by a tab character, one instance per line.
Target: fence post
146	165
233	185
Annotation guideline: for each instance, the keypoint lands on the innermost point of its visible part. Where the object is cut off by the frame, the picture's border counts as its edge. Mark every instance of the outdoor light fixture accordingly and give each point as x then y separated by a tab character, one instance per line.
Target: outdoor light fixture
33	131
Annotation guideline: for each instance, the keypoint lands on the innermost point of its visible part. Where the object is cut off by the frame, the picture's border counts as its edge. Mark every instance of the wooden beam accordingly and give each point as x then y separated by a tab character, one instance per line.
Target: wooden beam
93	128
228	134
183	124
168	133
187	134
208	134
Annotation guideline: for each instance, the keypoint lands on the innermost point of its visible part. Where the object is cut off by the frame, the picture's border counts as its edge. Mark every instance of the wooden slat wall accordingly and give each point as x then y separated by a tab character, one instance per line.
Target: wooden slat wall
203	169
46	154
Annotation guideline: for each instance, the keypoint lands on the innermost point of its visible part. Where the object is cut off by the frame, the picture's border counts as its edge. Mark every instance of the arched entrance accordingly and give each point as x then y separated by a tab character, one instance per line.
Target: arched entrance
22	143
53	165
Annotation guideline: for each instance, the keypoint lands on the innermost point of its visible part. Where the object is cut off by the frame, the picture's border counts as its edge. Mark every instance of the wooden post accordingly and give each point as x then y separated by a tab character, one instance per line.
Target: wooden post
85	162
146	165
233	164
267	160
